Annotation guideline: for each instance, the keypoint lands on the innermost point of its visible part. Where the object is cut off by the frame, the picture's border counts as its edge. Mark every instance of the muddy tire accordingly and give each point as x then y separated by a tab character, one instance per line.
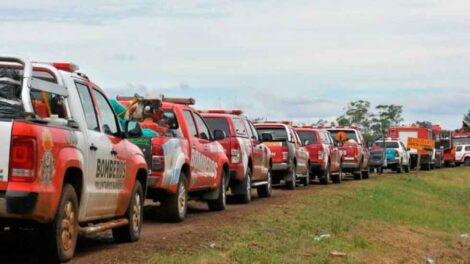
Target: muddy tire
292	183
266	190
134	214
399	168
61	235
357	175
408	167
467	162
326	175
220	203
176	205
365	174
338	178
245	197
305	181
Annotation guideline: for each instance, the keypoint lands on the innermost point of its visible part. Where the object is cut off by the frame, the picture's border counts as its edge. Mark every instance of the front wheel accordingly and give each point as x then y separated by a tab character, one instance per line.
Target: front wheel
176	205
220	203
467	162
62	233
134	214
306	180
408	168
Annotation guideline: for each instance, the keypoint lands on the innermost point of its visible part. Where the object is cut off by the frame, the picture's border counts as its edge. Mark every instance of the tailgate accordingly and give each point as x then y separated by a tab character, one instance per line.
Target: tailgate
313	151
5	138
276	150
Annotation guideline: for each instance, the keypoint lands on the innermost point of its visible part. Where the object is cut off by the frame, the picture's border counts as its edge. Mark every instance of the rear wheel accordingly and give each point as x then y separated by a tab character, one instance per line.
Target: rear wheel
291	183
467	162
399	168
306	180
325	177
134	214
337	178
408	167
245	197
365	173
266	190
221	201
176	205
61	235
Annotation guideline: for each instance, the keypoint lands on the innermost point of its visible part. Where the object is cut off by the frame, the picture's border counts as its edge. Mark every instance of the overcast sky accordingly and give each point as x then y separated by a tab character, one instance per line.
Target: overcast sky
297	60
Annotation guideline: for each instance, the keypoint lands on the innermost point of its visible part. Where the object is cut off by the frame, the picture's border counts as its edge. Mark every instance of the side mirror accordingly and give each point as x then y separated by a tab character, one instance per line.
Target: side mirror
133	129
306	142
266	137
219	134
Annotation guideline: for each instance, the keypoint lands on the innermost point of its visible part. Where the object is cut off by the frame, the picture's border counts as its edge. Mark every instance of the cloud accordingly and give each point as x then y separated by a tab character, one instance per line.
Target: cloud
298	60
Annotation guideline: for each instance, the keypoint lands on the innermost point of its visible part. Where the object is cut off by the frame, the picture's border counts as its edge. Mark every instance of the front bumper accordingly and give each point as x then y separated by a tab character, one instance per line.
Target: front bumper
283	166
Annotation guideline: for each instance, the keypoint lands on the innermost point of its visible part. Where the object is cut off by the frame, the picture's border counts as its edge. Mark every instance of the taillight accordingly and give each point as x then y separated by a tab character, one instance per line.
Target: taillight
285	153
22	160
321	154
396	153
235	155
158	159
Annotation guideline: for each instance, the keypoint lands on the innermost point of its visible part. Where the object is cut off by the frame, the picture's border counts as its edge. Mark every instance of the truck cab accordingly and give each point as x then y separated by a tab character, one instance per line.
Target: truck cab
462	155
67	165
290	159
250	159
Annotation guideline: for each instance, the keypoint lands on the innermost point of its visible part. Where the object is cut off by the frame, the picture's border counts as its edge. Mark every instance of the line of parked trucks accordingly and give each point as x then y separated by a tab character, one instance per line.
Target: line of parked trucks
76	162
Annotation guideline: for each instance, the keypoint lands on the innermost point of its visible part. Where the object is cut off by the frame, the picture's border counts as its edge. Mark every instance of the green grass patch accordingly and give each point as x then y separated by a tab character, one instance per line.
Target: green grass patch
433	203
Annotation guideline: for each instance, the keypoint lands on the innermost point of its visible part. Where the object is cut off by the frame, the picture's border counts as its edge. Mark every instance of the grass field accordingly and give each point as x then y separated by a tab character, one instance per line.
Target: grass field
388	219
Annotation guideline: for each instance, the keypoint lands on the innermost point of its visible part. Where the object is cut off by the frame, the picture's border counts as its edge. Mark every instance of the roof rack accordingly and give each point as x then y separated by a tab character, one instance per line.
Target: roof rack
220	111
183	101
29	82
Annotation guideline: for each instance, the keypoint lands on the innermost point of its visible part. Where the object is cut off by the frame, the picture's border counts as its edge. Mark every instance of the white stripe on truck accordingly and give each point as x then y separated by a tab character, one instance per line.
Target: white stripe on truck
5	139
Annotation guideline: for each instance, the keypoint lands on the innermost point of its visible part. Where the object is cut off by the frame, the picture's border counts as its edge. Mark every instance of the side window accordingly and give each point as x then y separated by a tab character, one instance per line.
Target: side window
87	106
190	121
467	148
46	104
253	130
203	129
239	127
107	115
248	129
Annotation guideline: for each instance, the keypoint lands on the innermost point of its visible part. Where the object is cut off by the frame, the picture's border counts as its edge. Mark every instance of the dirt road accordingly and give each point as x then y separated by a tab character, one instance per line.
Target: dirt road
158	236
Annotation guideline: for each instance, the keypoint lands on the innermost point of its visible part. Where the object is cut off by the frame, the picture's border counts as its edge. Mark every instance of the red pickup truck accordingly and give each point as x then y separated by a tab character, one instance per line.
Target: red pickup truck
186	161
290	161
353	149
325	158
250	160
67	165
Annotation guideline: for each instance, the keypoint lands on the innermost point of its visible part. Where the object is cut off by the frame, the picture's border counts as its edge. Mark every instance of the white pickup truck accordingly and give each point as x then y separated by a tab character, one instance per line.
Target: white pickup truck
66	166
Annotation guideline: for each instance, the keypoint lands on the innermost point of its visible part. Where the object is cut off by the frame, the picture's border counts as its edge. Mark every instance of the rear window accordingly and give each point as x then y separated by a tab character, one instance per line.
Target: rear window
240	129
467	148
307	135
351	134
387	144
278	134
215	123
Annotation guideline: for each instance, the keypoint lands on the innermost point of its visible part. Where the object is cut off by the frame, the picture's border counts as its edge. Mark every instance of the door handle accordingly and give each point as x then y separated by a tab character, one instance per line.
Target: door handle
114	152
93	147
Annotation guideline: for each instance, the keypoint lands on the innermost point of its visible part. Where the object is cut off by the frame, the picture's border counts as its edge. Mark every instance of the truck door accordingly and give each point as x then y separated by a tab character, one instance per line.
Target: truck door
260	161
97	149
196	148
209	150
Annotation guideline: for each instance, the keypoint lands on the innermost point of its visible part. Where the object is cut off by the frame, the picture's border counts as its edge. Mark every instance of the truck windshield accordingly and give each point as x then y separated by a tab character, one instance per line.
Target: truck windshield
307	135
351	134
461	141
387	144
278	134
219	123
